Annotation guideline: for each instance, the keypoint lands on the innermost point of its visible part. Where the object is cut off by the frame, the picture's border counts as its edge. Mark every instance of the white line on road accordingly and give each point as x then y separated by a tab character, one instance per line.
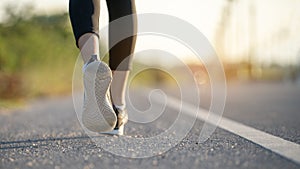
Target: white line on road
277	145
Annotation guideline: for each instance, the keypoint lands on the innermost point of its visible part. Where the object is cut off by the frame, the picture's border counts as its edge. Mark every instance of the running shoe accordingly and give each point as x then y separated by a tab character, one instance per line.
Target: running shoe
122	117
98	114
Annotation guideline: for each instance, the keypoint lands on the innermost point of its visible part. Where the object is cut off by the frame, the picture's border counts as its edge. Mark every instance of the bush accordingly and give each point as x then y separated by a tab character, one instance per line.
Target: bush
37	56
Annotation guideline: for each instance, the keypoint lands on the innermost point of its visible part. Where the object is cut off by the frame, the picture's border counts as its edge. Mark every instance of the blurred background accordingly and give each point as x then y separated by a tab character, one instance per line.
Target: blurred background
257	41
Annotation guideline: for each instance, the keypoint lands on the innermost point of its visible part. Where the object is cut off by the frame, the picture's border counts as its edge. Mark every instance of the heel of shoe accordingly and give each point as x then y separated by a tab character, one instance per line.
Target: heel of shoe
119	131
98	114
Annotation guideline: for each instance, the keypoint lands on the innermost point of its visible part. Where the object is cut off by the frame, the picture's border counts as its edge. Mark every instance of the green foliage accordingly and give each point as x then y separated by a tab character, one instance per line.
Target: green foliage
39	53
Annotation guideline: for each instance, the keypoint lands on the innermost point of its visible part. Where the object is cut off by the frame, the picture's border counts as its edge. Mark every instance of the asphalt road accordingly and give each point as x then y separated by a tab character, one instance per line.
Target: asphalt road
47	134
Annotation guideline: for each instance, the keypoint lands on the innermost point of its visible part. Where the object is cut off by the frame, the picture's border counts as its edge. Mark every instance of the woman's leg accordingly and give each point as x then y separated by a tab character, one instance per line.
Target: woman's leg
121	53
88	44
84	15
98	114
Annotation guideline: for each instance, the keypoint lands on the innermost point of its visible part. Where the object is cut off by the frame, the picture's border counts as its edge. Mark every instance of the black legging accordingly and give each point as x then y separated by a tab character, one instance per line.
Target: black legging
84	15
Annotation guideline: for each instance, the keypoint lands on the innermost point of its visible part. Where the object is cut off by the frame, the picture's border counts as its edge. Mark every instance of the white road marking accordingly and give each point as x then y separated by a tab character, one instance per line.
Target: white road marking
277	145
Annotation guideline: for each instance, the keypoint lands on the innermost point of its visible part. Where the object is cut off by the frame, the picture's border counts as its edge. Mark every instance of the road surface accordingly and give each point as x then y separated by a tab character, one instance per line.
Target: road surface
47	134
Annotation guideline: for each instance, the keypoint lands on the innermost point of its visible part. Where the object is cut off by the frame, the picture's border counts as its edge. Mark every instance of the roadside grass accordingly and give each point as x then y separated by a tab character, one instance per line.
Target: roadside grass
37	57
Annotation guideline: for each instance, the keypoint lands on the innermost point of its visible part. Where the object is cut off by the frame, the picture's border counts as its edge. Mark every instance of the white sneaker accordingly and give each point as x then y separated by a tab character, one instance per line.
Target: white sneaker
119	131
122	116
98	114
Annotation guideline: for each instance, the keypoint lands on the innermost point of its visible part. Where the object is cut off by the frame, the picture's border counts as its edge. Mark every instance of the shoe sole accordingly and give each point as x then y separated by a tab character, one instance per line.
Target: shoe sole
98	114
119	132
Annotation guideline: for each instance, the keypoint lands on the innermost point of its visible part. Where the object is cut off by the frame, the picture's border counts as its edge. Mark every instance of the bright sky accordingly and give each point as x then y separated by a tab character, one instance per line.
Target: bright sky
276	31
